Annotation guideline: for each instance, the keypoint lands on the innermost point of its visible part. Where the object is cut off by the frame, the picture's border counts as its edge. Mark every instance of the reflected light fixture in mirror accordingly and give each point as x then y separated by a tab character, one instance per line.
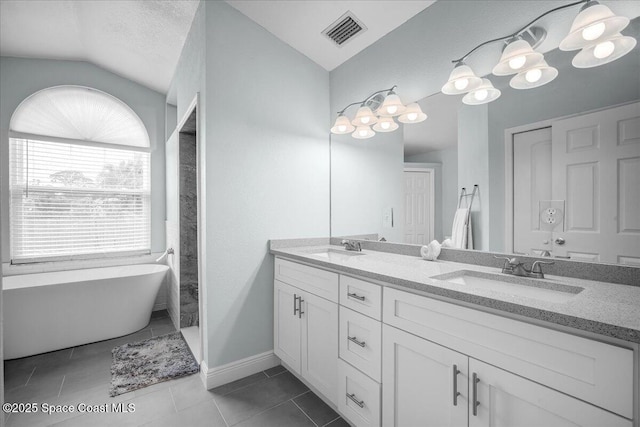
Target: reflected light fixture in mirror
483	94
385	106
461	80
596	31
538	75
517	56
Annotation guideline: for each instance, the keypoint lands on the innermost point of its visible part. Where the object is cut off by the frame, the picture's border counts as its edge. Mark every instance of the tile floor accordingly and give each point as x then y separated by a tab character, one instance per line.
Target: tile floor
82	375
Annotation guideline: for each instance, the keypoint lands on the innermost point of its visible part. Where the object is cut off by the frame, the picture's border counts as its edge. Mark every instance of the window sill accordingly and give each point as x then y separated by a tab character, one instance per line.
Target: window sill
46	267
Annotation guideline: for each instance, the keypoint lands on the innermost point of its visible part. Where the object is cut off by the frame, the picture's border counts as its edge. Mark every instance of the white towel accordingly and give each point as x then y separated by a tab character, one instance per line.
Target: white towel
431	251
461	235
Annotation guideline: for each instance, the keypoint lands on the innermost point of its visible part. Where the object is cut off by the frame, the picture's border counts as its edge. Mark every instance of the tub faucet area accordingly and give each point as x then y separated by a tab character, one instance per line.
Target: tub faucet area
164	255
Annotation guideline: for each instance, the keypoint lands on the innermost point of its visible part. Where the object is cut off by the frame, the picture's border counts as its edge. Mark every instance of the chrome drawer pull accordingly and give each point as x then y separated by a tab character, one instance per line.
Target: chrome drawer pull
355	340
300	312
475	381
352	396
356	296
456	393
295	308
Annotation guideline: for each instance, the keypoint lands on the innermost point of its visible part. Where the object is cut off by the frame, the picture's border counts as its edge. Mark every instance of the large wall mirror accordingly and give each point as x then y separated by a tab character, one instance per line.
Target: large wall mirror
557	168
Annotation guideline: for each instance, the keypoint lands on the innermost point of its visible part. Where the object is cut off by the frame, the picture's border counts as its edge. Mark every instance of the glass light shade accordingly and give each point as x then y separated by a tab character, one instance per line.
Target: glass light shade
604	52
535	76
391	106
485	93
461	80
364	117
593	25
517	56
342	125
413	114
363	132
385	124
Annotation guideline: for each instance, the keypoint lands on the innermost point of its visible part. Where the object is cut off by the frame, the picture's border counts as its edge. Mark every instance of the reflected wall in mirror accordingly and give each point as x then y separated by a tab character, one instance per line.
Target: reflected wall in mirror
577	180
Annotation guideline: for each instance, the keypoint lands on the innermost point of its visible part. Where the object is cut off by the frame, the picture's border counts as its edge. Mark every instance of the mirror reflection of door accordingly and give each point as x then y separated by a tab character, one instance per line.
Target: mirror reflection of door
592	163
418	206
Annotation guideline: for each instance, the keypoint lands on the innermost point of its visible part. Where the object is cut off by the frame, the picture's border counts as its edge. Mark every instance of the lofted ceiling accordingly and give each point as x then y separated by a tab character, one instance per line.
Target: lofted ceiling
300	23
139	40
142	40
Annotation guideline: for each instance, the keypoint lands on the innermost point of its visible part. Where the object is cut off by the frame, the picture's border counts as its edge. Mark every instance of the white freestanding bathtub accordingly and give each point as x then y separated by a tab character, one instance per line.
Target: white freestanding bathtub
51	311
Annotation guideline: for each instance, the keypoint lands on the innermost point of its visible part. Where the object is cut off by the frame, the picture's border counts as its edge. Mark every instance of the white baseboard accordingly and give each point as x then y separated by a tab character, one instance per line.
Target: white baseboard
224	374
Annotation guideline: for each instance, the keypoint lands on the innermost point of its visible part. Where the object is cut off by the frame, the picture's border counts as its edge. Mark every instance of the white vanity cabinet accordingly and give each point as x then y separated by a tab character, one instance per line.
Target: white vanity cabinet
306	325
511	373
388	357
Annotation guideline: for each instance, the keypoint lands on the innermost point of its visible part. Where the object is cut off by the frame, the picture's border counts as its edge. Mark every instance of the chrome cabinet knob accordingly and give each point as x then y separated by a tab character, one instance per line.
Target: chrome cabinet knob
560	241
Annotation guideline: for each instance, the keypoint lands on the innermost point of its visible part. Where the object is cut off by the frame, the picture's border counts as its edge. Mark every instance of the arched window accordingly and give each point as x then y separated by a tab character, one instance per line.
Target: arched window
79	177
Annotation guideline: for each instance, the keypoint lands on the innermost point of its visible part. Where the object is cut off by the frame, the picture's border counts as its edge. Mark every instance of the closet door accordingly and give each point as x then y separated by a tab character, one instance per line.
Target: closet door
596	170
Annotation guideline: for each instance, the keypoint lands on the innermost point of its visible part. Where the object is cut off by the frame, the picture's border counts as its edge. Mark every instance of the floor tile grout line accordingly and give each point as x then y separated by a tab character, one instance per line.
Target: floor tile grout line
71	354
30	375
220	412
173	400
305	414
336	418
266	377
61	385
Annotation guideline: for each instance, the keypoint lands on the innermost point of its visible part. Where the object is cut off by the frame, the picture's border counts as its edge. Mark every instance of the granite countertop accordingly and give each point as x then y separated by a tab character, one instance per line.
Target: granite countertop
602	308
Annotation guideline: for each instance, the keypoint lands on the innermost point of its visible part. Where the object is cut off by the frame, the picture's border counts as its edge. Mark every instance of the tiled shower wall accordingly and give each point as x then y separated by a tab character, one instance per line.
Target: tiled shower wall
188	231
173	278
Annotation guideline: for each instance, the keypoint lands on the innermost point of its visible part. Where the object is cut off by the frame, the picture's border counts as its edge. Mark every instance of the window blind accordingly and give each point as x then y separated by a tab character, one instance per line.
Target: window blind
73	200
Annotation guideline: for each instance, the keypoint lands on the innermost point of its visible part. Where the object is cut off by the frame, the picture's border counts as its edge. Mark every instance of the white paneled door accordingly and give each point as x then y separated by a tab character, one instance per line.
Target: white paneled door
418	206
594	186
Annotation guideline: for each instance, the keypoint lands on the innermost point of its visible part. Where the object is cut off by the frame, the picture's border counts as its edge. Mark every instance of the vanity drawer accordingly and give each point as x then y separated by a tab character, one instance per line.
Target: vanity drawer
314	280
361	296
358	396
361	342
596	372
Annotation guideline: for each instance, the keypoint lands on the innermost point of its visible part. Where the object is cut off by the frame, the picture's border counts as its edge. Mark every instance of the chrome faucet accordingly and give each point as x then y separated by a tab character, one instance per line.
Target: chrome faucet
352	245
516	267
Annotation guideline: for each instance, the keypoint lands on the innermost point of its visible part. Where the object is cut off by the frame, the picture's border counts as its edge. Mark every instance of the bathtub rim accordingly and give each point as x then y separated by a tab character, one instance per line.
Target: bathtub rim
52	278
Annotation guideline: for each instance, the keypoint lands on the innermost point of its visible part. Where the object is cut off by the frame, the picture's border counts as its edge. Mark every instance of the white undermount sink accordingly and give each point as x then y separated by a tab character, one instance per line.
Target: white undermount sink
336	254
513	285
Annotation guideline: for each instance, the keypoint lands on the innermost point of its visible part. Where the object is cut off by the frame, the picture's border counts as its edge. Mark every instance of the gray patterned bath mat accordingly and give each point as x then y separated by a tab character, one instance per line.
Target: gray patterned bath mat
144	363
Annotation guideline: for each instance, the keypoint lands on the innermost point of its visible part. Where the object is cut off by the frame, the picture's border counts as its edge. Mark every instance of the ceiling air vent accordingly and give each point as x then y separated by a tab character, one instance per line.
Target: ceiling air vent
344	29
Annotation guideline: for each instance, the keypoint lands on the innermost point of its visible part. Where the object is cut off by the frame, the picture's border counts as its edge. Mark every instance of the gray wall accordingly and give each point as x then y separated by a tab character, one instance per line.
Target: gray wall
367	177
447	191
20	78
264	136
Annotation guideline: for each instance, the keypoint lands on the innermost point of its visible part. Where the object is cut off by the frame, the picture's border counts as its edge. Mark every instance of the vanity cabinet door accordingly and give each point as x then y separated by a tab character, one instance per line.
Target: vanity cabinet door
502	399
420	386
286	325
320	344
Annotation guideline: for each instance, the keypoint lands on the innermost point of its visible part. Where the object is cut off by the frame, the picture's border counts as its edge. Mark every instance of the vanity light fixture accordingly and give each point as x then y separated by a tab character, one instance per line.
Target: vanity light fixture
413	114
596	31
342	125
377	110
386	124
482	94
